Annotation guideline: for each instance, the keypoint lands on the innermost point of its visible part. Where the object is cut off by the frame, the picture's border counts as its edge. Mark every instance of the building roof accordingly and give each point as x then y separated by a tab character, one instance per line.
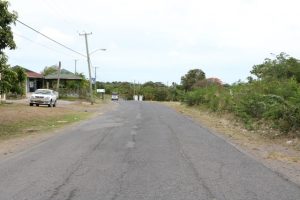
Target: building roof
31	74
64	74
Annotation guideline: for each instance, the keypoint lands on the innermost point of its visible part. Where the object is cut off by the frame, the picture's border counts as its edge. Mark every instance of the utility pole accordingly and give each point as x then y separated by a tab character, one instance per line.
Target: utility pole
89	65
75	64
58	76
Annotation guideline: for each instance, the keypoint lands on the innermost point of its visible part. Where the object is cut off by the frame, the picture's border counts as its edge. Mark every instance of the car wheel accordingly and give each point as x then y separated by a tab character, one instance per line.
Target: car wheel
50	104
30	104
37	105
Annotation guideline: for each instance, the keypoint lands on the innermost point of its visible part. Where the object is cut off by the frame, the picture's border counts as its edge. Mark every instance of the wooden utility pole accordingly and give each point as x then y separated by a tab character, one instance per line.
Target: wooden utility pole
89	65
58	76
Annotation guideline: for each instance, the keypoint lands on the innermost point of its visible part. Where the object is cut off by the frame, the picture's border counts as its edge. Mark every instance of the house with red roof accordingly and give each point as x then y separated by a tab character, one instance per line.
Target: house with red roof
34	80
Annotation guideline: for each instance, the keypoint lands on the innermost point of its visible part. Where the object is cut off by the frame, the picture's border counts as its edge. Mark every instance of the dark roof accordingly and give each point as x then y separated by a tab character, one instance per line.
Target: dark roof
31	74
64	74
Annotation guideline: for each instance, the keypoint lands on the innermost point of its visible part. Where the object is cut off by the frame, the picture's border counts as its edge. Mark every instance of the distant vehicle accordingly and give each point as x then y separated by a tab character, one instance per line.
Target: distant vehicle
44	97
114	96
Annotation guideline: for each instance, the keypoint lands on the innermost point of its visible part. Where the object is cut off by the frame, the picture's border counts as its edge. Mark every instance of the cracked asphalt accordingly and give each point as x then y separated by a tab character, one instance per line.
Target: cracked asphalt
139	151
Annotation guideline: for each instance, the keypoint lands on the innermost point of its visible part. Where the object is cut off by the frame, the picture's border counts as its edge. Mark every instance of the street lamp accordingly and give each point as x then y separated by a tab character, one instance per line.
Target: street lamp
97	50
95	66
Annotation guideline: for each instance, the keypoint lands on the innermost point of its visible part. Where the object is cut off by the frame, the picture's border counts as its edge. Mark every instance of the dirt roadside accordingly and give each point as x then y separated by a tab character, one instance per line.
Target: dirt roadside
19	110
280	155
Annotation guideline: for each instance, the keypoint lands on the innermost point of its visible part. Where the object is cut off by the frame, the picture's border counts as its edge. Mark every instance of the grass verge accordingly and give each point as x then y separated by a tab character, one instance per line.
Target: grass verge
40	124
20	119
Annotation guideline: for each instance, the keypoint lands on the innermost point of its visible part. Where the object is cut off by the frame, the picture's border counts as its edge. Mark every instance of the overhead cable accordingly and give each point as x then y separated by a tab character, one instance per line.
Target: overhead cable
42	45
50	38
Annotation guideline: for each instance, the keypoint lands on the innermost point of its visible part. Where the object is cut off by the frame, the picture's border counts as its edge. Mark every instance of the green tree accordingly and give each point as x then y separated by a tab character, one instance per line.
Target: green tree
8	77
280	68
155	91
6	41
191	78
49	70
6	19
148	92
19	86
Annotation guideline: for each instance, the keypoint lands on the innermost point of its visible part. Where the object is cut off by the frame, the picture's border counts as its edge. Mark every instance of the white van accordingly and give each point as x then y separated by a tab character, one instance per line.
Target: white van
114	96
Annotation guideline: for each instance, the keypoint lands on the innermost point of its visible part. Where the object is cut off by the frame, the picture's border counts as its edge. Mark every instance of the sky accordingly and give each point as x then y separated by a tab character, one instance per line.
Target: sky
155	40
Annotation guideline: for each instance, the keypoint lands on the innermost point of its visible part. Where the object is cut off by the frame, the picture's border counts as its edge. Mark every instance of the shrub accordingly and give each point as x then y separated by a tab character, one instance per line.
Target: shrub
277	102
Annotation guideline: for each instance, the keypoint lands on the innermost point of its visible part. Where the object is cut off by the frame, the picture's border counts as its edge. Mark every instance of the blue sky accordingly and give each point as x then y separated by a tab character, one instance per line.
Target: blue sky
157	40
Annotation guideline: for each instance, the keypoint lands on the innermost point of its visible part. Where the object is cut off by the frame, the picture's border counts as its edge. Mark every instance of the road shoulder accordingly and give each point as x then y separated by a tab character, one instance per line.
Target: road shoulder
18	143
278	154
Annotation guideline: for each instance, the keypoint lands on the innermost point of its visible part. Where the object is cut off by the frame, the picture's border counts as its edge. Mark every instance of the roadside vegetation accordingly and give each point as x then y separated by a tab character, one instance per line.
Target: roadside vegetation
270	101
10	79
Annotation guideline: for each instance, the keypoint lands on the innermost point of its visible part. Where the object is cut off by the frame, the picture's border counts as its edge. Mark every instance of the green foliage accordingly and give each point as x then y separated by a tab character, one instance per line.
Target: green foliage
281	68
124	89
75	88
18	85
6	41
273	99
151	91
161	94
191	78
49	70
175	92
155	91
6	19
8	77
277	102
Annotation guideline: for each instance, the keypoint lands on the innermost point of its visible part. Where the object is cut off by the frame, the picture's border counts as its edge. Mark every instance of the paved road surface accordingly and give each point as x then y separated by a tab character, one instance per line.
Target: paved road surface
138	151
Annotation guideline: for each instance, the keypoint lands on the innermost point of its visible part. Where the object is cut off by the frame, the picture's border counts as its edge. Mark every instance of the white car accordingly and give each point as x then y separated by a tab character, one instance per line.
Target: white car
114	96
43	97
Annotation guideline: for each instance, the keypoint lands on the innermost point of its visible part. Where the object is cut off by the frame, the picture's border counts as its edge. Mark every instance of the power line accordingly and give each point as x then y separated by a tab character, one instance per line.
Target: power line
50	38
42	45
54	8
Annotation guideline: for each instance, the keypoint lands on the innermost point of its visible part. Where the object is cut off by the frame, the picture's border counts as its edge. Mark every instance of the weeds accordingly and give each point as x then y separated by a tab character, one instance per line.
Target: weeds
277	103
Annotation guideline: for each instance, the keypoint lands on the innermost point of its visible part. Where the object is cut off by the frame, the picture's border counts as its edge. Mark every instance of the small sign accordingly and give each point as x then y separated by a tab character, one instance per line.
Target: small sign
100	90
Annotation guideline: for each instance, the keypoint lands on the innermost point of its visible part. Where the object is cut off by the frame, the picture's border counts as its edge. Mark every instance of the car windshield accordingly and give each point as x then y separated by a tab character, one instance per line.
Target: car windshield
42	92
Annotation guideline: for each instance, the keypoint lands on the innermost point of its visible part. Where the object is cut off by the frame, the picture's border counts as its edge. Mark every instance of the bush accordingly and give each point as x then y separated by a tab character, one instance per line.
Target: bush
276	102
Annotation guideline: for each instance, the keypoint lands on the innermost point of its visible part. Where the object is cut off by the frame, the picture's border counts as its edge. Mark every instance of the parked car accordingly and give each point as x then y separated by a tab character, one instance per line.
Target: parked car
114	96
44	97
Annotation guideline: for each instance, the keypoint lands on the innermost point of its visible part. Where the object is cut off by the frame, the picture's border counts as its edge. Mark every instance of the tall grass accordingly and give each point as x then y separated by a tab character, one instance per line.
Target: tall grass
276	103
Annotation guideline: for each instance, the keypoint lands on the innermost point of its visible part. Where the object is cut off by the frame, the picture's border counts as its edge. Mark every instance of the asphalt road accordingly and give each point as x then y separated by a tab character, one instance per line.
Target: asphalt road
139	151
